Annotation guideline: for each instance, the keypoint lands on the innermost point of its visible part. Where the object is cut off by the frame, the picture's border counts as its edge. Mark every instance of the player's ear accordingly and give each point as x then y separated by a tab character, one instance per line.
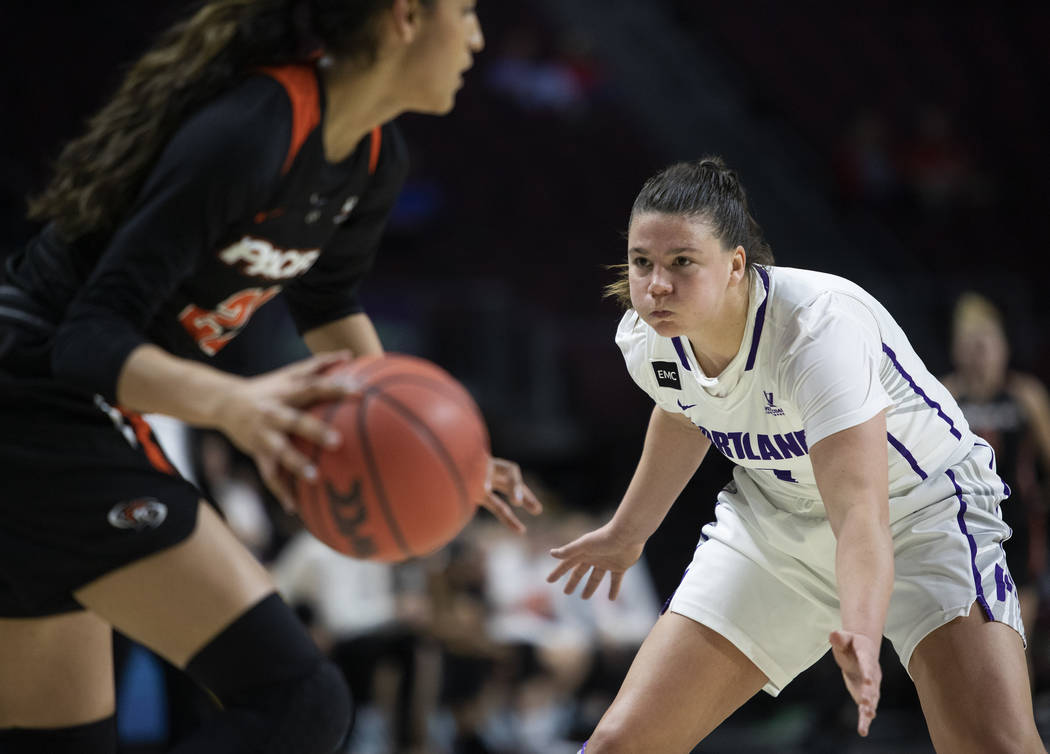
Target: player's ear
406	18
738	269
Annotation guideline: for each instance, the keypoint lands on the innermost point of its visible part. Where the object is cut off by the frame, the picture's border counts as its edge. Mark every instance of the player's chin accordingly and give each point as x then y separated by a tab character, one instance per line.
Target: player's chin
440	103
668	327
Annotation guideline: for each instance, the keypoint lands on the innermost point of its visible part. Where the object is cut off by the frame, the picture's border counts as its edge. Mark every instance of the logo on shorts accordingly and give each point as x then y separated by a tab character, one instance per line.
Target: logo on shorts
144	513
667	374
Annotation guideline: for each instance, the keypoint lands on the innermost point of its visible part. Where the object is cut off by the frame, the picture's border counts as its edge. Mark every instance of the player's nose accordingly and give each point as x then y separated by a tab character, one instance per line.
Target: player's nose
659	283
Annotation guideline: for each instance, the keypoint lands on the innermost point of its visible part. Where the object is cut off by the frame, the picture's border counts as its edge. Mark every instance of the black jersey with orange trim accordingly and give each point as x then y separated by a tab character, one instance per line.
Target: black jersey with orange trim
240	205
1002	421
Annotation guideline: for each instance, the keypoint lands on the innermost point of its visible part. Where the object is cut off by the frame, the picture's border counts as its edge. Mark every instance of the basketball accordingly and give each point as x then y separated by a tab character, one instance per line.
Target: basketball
410	470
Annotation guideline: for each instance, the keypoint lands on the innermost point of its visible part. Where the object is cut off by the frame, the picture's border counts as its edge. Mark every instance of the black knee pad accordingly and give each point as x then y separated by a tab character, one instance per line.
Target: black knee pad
93	738
279	694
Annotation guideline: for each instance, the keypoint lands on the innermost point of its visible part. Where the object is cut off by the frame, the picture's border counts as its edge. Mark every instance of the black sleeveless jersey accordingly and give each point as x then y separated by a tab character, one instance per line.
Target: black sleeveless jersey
240	206
1003	422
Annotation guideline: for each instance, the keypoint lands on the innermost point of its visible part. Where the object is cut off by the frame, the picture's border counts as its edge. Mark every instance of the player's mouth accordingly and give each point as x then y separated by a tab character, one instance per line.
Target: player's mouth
661	313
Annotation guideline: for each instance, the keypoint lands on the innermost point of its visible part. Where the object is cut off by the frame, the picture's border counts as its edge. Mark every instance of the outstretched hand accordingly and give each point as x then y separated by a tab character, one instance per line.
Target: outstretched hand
858	658
504	483
600	551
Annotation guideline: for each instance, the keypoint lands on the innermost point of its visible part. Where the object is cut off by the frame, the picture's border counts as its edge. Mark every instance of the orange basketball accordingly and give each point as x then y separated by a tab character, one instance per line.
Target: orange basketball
410	470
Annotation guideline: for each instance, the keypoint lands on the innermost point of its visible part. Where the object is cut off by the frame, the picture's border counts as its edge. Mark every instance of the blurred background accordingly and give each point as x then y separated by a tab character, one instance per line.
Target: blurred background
900	145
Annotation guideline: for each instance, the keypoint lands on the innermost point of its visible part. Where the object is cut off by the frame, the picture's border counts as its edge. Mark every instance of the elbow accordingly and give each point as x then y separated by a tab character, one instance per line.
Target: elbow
90	358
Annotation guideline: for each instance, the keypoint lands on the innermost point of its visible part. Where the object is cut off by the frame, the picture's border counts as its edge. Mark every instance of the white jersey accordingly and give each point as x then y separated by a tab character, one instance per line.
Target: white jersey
819	355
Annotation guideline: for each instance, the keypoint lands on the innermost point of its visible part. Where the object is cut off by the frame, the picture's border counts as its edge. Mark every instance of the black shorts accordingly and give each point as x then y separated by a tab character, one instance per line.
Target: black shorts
84	490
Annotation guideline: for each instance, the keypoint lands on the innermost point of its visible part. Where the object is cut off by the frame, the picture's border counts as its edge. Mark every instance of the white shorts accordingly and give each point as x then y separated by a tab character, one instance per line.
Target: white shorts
765	579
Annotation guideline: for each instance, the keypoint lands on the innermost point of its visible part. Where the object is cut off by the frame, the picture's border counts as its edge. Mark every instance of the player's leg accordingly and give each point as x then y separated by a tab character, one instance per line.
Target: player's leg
973	685
56	685
685	680
954	616
206	605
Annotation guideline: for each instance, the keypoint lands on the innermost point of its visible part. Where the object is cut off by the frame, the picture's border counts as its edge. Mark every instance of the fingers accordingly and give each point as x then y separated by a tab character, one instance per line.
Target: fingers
503	512
577	574
318	364
614	584
560	570
505	477
865	714
839	640
861	672
303	424
278	483
285	455
597	574
317	390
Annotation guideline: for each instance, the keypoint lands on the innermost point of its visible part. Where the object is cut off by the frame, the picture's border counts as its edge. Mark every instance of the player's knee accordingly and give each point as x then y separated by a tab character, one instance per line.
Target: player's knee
279	694
308	715
988	736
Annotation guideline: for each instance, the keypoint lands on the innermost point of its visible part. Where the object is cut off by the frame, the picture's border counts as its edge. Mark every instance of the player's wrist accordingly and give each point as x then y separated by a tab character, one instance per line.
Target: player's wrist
627	531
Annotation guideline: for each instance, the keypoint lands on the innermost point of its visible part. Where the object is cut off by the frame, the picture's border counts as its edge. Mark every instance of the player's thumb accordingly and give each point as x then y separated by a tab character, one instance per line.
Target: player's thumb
564	551
840	640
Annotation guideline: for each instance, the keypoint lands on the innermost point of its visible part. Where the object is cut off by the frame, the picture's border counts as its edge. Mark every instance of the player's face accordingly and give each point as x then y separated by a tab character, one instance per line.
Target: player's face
980	349
679	273
449	37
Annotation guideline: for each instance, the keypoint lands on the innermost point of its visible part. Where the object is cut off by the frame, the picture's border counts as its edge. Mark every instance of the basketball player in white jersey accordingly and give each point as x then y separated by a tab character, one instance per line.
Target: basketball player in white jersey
862	505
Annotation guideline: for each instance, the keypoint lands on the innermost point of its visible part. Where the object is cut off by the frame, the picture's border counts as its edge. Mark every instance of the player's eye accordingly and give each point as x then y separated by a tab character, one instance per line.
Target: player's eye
683	261
641	262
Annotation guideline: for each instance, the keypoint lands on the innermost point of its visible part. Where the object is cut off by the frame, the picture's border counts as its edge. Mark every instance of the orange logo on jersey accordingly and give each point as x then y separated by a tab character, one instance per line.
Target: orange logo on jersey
214	329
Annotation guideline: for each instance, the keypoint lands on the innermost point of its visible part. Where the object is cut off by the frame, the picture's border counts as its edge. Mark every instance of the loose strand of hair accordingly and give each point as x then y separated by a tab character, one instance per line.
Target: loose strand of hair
98	174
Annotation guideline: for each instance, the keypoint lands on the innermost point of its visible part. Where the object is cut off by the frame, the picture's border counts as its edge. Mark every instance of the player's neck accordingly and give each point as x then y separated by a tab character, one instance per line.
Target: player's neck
356	101
716	343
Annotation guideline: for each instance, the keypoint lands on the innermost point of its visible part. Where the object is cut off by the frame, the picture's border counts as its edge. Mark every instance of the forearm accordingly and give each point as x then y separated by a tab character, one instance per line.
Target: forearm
864	571
355	333
673	450
154	381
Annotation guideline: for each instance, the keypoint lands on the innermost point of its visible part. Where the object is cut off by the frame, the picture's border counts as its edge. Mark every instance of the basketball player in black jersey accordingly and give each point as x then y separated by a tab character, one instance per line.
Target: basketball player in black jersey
1011	411
243	156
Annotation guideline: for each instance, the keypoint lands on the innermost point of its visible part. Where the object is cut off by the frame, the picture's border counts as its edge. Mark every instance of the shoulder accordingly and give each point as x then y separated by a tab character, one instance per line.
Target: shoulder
804	303
635	339
393	161
243	131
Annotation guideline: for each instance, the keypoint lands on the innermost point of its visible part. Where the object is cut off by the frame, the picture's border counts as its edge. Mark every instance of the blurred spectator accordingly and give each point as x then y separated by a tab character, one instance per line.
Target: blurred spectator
237	491
1011	411
536	82
361	613
469	658
938	166
865	165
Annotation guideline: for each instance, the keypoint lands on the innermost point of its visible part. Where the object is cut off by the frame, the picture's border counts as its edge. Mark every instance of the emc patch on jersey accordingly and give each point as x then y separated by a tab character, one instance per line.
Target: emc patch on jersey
667	374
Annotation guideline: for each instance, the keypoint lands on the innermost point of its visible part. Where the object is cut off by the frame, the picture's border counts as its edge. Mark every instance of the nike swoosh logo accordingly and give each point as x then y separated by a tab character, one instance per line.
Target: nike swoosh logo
261	217
683	407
